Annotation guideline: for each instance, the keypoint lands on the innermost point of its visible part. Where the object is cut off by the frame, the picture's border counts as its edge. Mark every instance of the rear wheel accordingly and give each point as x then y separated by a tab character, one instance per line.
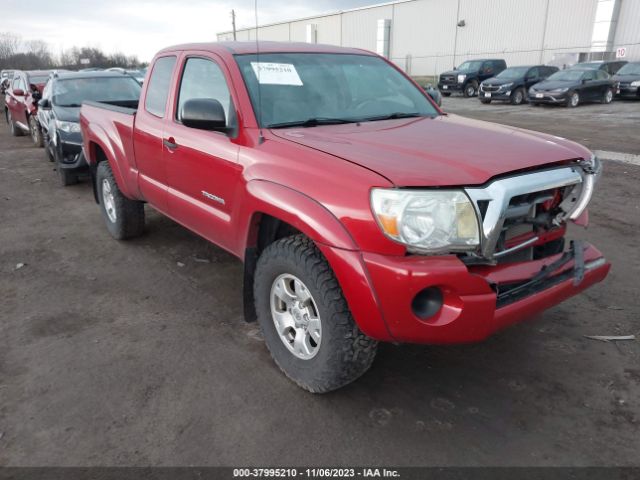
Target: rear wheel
607	97
573	100
470	89
517	96
305	319
124	217
36	133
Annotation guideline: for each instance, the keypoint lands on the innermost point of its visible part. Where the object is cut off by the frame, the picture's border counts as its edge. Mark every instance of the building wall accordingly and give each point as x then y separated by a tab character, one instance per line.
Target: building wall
628	32
425	38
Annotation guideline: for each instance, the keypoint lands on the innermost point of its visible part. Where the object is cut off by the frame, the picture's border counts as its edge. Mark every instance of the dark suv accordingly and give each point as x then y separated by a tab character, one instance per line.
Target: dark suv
59	113
611	67
513	83
469	75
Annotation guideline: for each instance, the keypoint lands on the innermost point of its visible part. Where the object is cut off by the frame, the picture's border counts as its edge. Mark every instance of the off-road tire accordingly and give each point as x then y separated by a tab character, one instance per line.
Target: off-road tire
518	97
129	221
345	353
467	92
35	132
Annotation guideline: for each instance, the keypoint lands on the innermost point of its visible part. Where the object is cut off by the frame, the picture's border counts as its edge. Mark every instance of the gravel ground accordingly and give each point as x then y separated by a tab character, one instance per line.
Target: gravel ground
136	353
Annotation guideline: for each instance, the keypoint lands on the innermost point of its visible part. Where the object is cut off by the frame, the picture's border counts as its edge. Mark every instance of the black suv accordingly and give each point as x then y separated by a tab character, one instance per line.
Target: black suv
59	113
611	67
628	81
469	75
513	83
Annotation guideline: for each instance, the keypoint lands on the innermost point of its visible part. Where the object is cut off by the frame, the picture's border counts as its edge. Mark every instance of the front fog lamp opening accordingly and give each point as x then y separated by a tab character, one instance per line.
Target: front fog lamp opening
427	303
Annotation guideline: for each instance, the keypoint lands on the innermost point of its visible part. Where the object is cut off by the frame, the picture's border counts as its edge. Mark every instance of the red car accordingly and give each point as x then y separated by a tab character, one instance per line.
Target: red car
362	212
21	103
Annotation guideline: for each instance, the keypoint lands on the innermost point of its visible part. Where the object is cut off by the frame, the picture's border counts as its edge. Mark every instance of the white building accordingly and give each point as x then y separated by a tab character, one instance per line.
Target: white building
426	37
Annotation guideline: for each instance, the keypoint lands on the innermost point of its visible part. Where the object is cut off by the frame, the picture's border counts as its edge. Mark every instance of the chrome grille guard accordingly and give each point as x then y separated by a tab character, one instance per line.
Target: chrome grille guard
498	194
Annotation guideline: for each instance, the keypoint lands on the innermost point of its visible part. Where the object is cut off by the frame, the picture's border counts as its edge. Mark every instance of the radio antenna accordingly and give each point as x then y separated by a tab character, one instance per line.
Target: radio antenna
259	70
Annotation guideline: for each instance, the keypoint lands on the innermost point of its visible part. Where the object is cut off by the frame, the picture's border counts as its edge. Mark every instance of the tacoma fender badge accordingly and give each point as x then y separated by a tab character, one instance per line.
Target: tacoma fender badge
213	197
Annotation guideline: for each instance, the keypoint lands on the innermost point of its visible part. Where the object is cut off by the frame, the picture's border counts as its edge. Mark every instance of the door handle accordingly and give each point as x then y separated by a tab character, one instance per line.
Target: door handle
170	143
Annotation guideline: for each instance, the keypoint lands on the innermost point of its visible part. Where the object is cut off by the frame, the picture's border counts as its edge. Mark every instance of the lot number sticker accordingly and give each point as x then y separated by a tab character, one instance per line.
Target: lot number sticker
276	73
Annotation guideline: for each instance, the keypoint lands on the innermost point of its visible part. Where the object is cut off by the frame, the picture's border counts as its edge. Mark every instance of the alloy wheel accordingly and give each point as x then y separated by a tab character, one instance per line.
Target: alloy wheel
295	316
108	201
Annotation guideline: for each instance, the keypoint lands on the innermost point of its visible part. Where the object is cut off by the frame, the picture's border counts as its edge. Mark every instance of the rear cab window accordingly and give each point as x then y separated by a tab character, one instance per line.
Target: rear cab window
155	101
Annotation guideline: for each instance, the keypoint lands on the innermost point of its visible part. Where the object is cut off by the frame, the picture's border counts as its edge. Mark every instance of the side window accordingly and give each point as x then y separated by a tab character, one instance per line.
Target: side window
46	93
602	75
202	78
159	86
487	67
533	73
589	76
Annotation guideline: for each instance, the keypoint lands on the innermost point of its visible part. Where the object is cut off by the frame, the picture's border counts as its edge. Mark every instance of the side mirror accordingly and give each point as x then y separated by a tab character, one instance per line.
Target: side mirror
18	92
204	114
44	104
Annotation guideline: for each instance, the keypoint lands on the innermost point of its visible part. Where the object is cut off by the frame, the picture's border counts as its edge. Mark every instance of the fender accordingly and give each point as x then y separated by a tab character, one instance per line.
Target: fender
293	207
334	241
114	151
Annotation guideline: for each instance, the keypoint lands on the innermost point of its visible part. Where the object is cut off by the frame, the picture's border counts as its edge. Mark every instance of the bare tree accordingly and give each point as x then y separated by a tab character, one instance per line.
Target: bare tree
9	44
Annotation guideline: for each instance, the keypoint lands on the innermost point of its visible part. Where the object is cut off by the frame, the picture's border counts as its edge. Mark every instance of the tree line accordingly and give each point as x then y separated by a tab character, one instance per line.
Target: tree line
17	54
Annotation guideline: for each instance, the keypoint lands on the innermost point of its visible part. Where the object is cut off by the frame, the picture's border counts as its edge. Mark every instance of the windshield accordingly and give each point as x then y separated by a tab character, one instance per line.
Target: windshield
72	92
472	66
630	69
515	72
328	88
592	65
38	79
567	75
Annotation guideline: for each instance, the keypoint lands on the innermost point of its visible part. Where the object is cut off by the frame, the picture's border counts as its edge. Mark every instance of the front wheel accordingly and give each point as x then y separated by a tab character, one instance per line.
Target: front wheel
36	133
608	96
470	89
124	217
573	100
305	319
14	130
517	97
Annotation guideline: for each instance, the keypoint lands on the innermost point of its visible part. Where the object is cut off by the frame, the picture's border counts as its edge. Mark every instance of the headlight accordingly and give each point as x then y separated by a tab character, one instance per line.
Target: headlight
461	78
68	127
427	221
636	83
505	86
559	90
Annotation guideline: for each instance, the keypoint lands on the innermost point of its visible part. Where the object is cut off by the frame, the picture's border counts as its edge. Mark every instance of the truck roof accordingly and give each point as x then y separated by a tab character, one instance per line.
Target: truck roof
264	47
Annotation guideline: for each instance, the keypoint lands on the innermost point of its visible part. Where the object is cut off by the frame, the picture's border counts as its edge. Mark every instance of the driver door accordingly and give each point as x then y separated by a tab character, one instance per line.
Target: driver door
202	166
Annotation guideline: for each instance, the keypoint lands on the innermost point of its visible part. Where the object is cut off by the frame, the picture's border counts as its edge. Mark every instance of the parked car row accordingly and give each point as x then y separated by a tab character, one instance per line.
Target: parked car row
46	105
491	80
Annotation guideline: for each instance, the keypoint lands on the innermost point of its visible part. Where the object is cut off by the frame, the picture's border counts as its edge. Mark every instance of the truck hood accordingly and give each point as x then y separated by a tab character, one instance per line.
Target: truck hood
443	151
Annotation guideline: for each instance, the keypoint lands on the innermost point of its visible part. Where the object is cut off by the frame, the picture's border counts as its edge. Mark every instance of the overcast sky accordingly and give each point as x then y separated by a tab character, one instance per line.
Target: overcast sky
142	27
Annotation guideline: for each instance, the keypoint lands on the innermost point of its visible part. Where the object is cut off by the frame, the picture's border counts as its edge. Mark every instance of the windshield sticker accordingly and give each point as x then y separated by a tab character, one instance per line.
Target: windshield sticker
276	73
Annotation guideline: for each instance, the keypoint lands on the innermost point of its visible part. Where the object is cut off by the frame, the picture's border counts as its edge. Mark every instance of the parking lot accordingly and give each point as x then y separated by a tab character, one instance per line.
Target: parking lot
136	353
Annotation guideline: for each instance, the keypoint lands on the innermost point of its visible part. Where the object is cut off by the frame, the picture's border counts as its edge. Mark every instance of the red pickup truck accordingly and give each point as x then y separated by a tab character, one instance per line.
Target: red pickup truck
362	212
21	103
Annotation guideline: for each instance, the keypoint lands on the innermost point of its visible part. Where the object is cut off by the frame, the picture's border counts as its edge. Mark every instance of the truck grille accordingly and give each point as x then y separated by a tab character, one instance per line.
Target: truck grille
513	208
447	79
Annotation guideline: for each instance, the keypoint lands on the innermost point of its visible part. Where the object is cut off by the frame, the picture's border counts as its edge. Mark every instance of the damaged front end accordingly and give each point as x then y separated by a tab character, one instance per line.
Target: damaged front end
524	219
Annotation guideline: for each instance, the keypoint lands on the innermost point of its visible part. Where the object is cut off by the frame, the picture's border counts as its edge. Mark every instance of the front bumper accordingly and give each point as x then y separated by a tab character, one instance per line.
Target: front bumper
628	92
71	156
555	99
494	94
450	87
477	300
